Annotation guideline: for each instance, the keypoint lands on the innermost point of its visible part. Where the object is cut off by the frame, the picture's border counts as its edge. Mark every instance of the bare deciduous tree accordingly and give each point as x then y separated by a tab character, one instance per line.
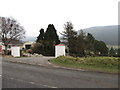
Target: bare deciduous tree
10	30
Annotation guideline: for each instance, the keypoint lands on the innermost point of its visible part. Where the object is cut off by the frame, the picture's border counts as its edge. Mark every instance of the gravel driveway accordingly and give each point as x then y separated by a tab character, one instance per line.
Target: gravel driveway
42	60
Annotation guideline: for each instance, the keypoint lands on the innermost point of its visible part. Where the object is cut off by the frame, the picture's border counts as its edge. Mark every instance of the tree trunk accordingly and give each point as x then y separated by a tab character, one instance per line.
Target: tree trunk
6	51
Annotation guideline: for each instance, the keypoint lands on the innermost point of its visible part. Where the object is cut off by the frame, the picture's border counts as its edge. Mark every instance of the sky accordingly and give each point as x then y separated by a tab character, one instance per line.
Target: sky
36	14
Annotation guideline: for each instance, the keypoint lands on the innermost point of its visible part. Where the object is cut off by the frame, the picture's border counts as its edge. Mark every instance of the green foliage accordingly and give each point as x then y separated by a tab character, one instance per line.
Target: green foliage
69	35
46	41
118	51
78	45
41	36
104	61
49	48
90	43
112	52
82	44
38	48
101	48
50	40
51	34
109	64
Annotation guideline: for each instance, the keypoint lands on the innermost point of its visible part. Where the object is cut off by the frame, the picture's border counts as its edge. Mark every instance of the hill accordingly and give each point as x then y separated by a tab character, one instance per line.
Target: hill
108	34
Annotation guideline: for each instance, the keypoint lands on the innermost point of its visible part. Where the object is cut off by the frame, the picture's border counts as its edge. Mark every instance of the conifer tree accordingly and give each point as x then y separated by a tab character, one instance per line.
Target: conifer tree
90	43
41	35
69	35
47	41
51	34
101	47
112	52
50	40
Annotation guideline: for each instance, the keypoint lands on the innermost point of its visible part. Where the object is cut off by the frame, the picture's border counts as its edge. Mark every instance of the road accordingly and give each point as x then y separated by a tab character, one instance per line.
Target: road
30	76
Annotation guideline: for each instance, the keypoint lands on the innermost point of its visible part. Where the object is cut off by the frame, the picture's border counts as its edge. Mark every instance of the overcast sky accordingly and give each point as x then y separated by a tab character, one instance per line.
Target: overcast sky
37	14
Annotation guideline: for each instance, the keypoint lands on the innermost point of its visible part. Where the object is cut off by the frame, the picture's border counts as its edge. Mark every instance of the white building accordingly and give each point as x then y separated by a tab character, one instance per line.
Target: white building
28	45
59	50
15	51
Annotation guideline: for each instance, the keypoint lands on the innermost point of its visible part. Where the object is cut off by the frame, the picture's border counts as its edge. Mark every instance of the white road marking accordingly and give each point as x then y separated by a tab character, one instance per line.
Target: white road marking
34	83
69	68
11	78
42	85
49	86
49	63
39	64
0	75
55	66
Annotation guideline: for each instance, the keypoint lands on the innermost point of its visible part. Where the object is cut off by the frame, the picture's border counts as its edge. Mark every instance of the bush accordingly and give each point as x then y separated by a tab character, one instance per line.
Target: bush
37	48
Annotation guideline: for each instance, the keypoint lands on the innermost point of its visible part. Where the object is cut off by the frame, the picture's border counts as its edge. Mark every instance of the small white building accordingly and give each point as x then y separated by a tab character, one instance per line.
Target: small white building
15	51
59	50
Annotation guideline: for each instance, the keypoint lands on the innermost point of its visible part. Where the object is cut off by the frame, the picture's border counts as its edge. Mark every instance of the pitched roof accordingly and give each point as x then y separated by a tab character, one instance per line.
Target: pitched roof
14	41
60	45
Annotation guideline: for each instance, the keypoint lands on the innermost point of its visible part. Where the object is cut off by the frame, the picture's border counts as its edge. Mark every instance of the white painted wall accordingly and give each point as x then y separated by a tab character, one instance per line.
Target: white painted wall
59	50
28	43
15	51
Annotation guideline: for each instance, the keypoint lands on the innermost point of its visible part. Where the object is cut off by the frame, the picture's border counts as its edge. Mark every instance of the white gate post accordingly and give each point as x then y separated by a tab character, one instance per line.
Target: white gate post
15	51
59	50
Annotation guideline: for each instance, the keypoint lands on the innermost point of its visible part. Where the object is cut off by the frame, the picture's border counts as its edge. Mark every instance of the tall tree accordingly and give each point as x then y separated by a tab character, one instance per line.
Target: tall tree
90	43
118	51
68	35
51	34
112	52
100	47
82	43
11	30
50	40
46	41
41	35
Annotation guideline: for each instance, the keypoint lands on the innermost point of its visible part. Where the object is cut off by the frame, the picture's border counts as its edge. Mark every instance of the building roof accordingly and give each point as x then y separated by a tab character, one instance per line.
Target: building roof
60	45
16	42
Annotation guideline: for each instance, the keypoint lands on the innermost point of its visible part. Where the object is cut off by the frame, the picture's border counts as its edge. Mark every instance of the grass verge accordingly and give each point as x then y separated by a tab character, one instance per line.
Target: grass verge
101	64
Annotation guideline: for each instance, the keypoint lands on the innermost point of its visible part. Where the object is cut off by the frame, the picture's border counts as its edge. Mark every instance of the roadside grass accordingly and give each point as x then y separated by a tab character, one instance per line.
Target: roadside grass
101	64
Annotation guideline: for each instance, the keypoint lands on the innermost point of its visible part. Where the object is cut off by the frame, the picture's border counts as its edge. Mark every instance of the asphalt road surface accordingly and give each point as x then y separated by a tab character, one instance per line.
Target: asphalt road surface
30	76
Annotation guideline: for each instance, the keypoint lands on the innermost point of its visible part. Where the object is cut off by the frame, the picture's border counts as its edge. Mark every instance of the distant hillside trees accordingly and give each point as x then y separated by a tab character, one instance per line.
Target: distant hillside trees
101	33
46	41
100	48
118	52
112	52
82	44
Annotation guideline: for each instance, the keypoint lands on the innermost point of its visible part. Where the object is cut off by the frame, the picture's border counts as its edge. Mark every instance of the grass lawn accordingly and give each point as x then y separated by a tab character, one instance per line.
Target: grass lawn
101	64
